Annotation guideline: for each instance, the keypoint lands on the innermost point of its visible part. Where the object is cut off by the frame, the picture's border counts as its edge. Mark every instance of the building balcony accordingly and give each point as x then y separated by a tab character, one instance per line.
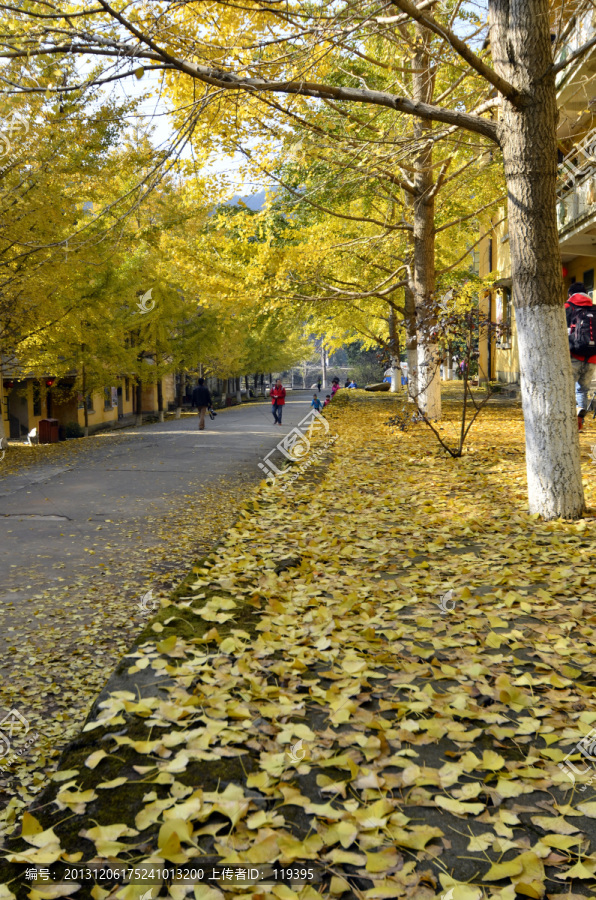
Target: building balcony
576	198
575	87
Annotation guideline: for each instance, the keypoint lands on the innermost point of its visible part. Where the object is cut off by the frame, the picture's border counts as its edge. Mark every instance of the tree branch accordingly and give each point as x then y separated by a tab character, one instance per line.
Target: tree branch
558	67
503	86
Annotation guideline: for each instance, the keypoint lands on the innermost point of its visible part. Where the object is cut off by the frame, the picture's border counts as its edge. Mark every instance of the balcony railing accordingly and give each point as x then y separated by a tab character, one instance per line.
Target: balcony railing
576	182
580	30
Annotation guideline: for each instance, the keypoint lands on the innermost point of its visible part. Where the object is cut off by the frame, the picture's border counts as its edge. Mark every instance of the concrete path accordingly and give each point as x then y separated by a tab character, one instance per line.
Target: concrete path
84	539
49	514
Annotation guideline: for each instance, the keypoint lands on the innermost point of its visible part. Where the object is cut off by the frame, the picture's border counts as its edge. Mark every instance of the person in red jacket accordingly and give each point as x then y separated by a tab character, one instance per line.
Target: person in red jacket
278	399
583	364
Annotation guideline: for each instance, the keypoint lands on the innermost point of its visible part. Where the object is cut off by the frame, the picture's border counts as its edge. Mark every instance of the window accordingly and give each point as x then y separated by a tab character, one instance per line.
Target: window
36	399
127	388
89	403
503	310
107	398
588	280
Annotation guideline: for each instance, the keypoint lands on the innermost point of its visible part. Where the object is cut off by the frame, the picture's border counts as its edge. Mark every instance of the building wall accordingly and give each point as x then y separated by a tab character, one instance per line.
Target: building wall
577	270
494	256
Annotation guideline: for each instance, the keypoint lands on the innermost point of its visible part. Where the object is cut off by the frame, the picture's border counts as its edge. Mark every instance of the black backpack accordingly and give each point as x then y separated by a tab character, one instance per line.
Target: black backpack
581	326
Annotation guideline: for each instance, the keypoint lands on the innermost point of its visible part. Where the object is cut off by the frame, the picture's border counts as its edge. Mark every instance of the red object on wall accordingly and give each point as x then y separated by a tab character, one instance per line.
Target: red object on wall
50	382
565	272
8	385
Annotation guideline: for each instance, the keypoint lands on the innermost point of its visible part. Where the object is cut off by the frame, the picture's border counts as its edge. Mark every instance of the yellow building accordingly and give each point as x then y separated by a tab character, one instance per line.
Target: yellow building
576	205
27	400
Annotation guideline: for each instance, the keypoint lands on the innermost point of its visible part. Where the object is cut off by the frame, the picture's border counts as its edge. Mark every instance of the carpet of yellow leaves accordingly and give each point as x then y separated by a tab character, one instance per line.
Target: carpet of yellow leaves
385	670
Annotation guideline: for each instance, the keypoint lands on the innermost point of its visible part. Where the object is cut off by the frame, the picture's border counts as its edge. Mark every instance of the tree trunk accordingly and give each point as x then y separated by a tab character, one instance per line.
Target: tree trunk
85	410
3	440
323	369
411	342
521	51
180	394
428	388
139	403
394	354
160	400
238	391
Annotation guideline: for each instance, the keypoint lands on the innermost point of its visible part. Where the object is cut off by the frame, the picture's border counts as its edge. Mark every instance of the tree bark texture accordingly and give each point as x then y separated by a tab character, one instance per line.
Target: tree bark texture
428	387
521	51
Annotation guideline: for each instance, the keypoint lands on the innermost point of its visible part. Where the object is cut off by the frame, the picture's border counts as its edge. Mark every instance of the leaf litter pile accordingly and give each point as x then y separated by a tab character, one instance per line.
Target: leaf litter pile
75	624
384	670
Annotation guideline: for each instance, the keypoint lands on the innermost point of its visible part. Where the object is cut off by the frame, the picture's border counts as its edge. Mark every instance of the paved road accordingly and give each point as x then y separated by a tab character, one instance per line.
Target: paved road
49	514
90	533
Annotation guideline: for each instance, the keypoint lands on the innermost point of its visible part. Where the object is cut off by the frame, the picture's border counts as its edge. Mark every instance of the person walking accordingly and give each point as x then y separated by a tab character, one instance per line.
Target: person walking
334	387
201	398
316	403
319	383
581	328
278	399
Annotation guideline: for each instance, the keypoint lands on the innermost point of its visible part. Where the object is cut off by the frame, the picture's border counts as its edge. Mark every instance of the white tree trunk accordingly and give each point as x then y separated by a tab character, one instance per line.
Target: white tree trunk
428	390
412	355
429	379
548	401
161	415
521	49
395	376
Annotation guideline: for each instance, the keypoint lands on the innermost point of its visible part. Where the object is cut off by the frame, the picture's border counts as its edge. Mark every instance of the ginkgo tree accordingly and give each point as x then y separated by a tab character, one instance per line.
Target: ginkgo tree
254	53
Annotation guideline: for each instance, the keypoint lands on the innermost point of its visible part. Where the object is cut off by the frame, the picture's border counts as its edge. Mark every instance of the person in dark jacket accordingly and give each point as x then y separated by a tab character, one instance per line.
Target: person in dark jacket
201	398
584	367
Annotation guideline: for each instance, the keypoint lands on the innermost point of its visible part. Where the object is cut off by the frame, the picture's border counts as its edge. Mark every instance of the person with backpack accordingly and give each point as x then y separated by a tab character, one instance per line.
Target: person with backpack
201	398
581	328
278	399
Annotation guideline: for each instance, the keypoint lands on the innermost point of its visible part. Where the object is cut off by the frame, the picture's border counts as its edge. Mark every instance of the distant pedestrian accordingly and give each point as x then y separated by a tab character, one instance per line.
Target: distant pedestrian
347	382
278	399
319	383
334	387
581	327
316	403
352	384
201	398
327	400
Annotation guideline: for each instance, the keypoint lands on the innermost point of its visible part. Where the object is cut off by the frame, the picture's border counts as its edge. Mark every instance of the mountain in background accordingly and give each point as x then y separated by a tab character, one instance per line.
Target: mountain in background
253	201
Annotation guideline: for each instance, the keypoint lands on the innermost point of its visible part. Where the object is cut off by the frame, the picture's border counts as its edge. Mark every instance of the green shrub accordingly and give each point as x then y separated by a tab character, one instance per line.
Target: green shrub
72	430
